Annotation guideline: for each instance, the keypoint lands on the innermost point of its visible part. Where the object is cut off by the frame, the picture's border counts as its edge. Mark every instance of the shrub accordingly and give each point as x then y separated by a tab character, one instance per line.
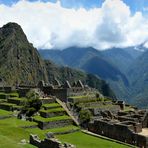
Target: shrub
84	116
32	104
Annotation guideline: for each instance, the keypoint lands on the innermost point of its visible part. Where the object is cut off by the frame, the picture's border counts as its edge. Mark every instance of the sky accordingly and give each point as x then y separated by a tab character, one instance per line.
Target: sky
102	24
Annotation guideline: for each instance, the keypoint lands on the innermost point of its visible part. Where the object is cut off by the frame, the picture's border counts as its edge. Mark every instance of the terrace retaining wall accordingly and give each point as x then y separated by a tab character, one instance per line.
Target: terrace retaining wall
54	124
52	114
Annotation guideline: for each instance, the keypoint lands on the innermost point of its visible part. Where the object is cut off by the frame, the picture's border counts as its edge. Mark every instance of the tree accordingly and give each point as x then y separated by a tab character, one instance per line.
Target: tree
85	116
32	104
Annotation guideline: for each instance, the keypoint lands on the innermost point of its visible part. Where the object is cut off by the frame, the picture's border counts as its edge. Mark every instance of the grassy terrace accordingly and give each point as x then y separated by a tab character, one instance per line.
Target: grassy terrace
14	122
53	110
8	104
3	95
13	94
51	105
128	108
78	97
4	113
18	99
39	118
11	133
87	99
82	140
41	133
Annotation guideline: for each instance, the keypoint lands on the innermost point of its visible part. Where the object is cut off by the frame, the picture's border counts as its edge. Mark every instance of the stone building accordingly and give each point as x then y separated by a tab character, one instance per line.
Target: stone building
62	91
131	128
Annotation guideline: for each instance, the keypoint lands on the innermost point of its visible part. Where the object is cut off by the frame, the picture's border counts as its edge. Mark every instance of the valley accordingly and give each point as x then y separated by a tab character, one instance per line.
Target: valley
118	67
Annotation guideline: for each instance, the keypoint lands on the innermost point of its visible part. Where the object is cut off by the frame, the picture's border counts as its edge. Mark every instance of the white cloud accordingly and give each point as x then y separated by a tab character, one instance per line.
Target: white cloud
49	25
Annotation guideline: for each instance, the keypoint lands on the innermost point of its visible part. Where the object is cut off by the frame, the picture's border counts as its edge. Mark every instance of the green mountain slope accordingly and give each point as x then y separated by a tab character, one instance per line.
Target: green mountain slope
20	63
92	61
138	75
124	69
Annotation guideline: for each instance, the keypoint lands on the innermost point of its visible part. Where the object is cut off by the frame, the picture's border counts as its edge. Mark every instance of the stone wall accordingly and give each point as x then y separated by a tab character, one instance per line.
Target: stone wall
119	132
54	124
23	91
51	114
47	101
145	120
6	107
13	101
60	93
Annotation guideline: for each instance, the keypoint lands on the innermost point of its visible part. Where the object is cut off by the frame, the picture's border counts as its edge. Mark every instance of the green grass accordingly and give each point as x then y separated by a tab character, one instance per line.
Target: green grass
8	104
3	95
5	113
79	97
11	134
82	140
10	137
18	99
128	108
39	118
13	94
41	133
51	105
53	110
14	122
88	99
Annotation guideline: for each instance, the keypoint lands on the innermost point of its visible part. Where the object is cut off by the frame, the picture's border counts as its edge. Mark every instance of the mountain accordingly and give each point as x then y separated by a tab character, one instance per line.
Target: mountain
20	63
92	61
72	56
124	69
72	75
121	57
138	75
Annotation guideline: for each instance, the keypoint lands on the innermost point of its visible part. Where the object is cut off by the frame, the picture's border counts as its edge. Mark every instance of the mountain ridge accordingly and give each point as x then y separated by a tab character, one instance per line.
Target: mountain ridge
21	63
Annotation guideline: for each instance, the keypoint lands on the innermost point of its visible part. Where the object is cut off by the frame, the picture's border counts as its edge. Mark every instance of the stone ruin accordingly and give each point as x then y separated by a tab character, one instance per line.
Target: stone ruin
50	141
62	91
128	127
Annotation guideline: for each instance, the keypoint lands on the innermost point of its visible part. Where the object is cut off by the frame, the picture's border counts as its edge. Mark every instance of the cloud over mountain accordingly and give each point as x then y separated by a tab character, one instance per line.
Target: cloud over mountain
49	25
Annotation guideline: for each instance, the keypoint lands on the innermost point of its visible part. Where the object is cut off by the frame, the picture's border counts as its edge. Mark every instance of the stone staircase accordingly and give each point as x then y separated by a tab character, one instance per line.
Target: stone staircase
68	111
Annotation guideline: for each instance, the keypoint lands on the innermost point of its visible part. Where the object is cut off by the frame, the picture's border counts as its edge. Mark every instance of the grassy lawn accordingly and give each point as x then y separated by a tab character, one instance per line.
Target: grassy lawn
14	122
51	105
11	134
41	133
39	118
53	110
5	113
82	140
10	137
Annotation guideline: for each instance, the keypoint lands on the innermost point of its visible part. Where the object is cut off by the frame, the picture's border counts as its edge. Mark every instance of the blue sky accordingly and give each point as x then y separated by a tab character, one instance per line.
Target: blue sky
135	5
109	25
